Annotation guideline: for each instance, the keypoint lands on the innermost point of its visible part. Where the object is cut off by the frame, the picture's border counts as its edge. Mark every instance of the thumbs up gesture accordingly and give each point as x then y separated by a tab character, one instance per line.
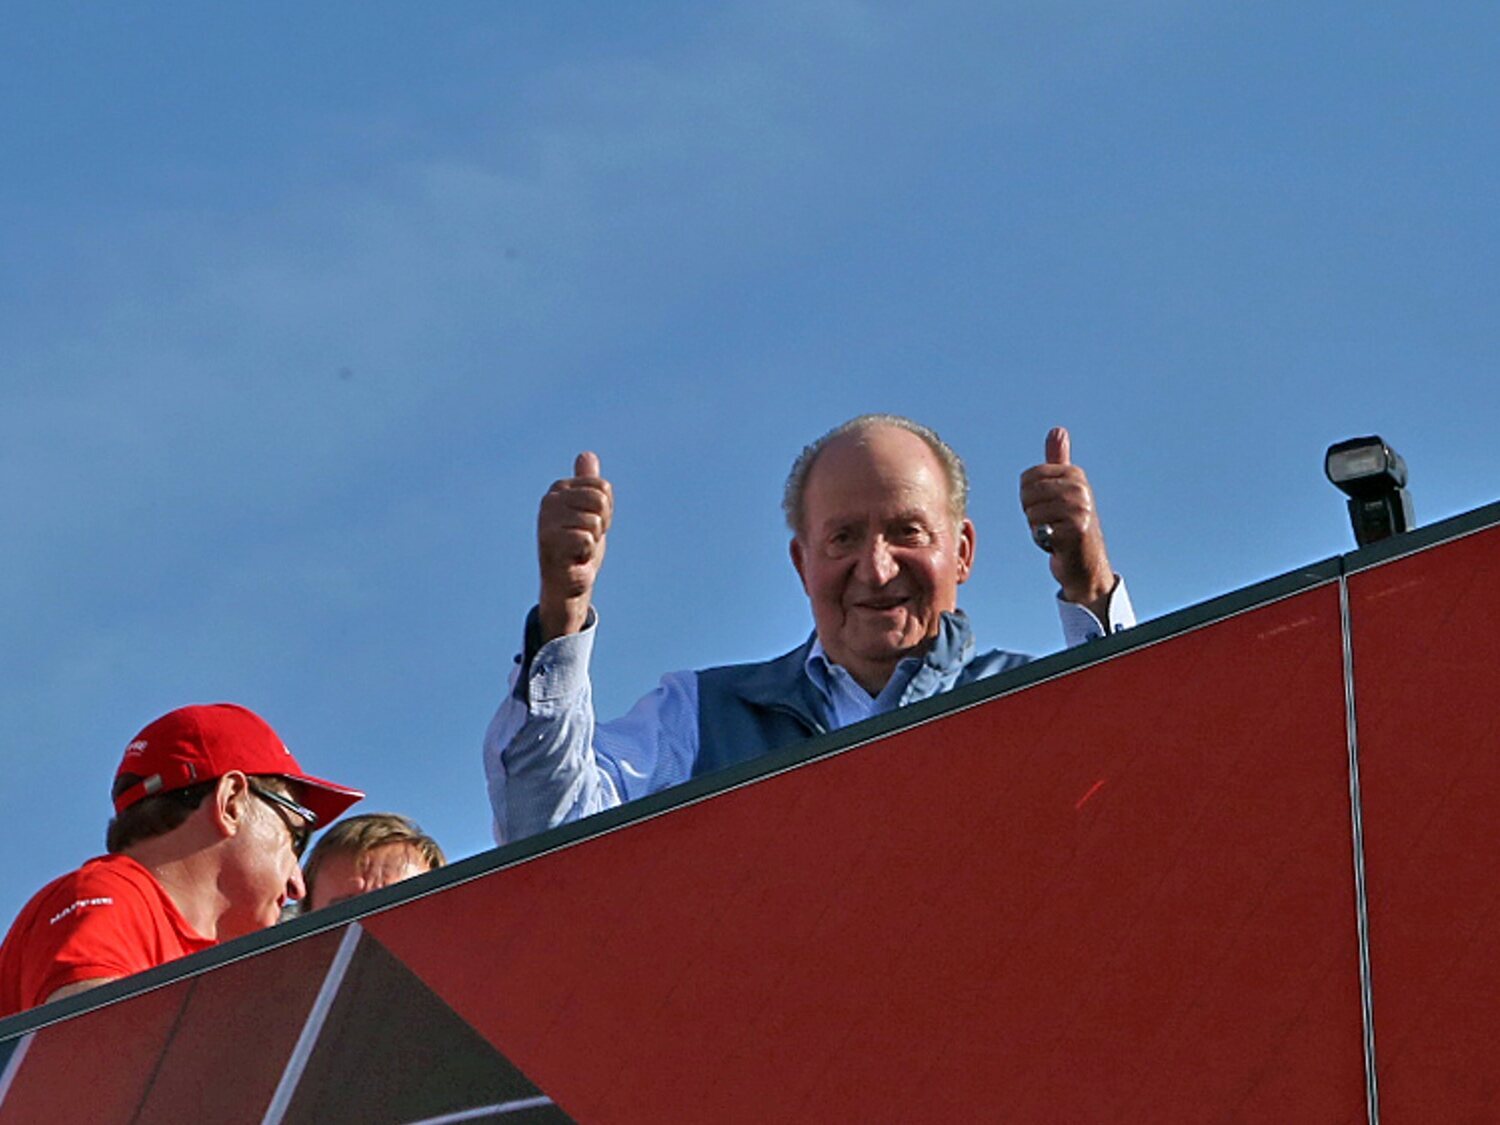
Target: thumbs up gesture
570	531
1059	506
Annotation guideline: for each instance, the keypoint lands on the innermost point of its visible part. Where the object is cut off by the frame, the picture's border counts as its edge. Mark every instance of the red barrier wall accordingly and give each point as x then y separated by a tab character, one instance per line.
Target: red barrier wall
1426	633
1125	893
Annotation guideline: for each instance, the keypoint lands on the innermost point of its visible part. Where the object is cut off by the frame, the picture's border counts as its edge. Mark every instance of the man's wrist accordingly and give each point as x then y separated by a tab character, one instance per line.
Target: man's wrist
1098	591
1094	597
561	617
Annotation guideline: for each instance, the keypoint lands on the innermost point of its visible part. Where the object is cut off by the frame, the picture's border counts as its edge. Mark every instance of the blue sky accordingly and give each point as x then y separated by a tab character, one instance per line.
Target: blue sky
301	311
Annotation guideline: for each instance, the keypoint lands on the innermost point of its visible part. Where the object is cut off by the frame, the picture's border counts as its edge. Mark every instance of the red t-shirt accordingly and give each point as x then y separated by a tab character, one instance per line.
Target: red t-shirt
110	918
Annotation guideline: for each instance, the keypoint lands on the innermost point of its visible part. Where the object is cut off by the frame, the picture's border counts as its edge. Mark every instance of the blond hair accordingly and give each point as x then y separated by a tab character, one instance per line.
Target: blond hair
355	835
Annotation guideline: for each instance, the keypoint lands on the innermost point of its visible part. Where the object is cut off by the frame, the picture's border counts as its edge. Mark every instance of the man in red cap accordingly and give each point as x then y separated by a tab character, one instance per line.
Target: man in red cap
212	813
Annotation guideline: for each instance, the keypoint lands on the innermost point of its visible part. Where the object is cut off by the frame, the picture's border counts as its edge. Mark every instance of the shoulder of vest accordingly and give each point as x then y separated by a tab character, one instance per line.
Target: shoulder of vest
765	682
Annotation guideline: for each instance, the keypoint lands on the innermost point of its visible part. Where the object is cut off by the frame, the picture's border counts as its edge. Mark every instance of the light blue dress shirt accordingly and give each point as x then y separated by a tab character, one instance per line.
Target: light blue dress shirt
548	761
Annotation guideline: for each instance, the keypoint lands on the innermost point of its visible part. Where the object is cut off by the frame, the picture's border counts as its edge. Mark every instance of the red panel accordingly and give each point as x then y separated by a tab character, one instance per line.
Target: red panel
1426	633
210	1048
1125	894
94	1068
236	1034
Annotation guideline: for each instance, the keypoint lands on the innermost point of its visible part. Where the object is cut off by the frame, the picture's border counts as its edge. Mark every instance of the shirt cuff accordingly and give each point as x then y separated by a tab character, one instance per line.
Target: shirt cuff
1080	625
557	669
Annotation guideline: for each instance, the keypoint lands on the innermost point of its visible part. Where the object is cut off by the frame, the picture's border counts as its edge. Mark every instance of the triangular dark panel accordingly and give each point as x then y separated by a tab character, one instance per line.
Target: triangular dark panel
392	1051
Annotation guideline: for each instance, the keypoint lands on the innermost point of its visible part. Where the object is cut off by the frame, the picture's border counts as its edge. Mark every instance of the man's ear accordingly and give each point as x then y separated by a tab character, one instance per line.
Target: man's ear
797	559
967	542
229	803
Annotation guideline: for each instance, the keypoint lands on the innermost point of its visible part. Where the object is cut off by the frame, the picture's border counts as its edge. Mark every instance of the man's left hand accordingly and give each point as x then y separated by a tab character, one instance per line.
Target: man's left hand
1057	495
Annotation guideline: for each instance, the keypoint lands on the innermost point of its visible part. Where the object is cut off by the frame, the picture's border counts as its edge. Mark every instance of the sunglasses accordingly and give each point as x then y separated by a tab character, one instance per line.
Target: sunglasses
301	833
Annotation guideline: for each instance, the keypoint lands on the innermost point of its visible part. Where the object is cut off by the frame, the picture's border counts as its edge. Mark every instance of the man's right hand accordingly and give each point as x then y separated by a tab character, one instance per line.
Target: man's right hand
570	531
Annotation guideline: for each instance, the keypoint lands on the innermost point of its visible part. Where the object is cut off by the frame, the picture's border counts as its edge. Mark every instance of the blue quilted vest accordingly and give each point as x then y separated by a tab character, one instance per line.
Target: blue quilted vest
746	710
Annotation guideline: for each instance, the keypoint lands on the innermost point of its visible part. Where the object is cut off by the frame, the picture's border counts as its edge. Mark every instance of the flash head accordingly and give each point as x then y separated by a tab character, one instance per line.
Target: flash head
1373	476
1364	466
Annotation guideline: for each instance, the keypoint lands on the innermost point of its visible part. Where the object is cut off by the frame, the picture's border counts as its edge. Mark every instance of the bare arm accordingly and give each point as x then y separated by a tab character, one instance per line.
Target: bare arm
76	987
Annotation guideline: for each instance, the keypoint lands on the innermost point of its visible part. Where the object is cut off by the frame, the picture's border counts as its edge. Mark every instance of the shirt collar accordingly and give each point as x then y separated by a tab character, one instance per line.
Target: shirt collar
949	650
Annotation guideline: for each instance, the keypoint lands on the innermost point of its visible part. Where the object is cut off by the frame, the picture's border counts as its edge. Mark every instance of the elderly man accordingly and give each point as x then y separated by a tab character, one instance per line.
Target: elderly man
212	813
881	541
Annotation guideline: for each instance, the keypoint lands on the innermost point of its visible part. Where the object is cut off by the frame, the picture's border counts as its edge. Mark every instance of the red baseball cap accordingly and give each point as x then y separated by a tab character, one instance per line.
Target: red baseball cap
206	741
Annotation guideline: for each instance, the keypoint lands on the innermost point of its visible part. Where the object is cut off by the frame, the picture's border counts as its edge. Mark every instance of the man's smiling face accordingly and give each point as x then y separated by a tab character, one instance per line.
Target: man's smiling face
879	552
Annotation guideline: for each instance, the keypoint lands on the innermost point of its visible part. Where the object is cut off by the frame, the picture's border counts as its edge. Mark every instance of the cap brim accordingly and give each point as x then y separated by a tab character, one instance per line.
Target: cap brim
326	798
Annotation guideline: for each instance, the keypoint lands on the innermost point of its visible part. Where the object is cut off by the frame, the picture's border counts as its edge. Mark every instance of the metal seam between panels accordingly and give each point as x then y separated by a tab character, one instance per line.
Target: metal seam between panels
302	1052
13	1064
1356	818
